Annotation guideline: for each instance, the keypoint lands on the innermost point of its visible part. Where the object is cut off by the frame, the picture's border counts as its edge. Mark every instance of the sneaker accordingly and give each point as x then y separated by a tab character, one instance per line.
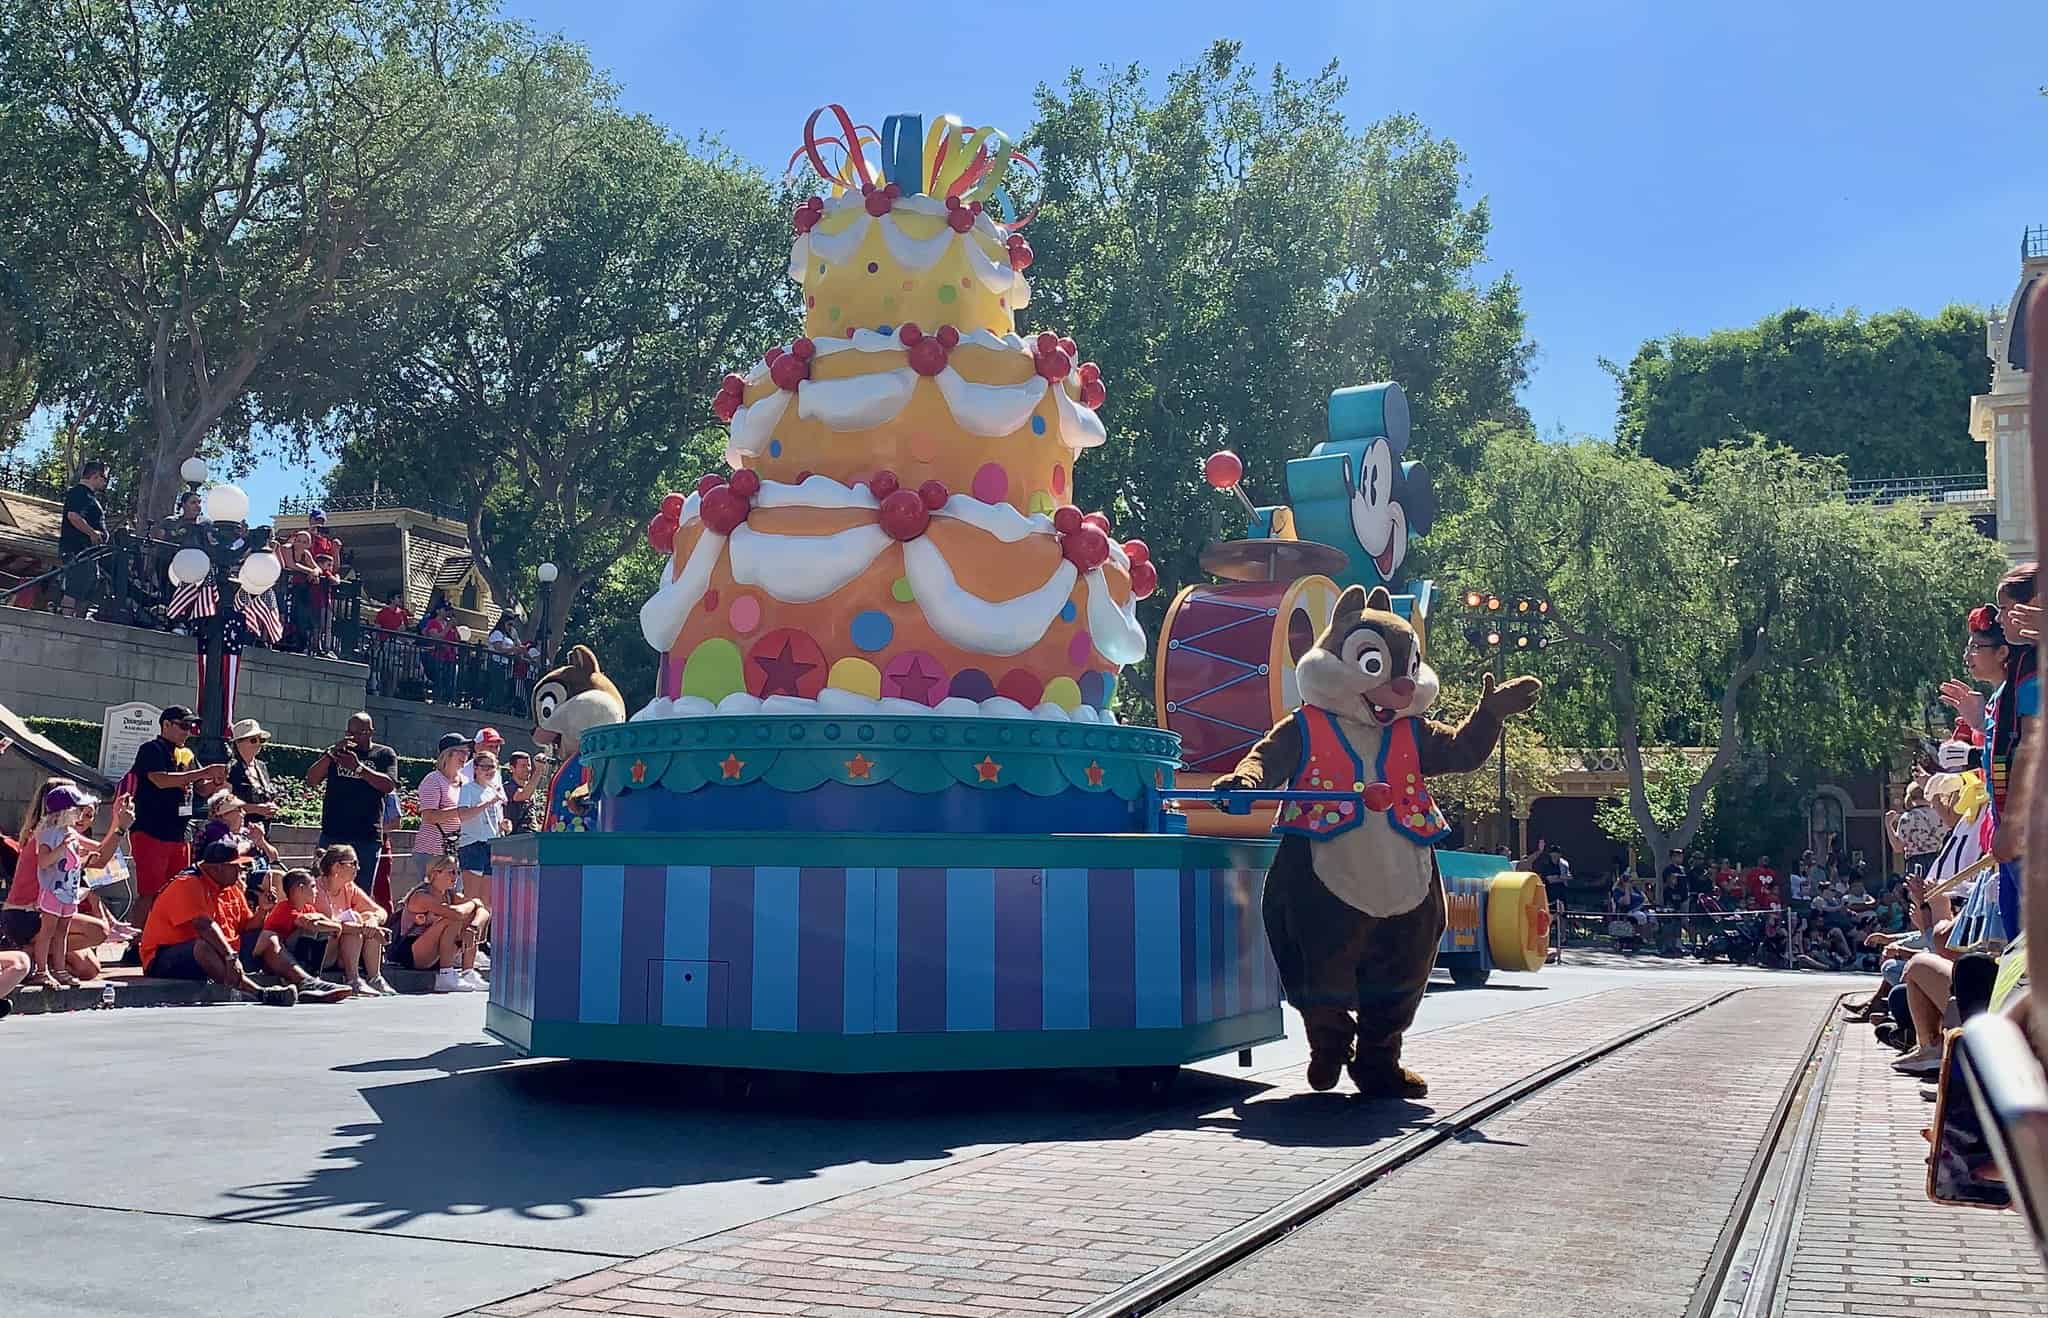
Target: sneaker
445	981
361	987
320	990
278	995
472	982
1924	1060
382	987
6	1007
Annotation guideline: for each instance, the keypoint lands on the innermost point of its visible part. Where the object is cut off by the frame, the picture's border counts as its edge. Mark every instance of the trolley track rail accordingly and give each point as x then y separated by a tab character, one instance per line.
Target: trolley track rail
1218	1256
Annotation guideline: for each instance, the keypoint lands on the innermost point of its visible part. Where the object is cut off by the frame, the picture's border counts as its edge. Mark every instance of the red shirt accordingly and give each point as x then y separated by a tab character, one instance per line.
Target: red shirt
327	546
393	618
1759	884
283	919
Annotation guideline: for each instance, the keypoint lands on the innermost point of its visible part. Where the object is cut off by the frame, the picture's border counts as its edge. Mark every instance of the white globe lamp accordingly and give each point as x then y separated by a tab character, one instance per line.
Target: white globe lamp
462	633
189	567
192	471
260	572
227	503
547	572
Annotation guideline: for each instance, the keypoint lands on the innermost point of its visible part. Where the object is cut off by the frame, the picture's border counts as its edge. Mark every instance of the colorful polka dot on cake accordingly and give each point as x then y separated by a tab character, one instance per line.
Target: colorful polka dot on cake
1064	692
991	483
713	670
871	631
857	676
1079	648
745	614
973	684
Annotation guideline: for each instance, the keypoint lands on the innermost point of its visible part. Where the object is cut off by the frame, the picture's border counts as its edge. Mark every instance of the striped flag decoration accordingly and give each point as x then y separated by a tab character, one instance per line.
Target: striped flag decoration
200	601
260	613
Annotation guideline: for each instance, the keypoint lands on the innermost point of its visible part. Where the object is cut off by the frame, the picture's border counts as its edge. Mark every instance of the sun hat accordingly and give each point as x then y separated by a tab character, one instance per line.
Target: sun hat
247	728
223	801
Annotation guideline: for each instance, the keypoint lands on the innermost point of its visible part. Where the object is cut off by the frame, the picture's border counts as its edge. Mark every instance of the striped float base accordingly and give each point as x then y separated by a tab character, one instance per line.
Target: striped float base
864	953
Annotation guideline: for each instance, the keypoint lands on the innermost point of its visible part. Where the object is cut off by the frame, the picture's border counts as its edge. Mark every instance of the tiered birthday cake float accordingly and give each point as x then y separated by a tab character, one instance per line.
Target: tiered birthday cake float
878	814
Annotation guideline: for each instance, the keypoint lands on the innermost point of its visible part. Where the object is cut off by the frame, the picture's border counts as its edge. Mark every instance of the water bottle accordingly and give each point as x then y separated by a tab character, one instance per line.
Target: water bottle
107	997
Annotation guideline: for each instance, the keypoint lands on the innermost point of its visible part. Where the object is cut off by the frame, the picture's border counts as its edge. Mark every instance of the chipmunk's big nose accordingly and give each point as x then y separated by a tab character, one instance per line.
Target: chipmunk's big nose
1402	687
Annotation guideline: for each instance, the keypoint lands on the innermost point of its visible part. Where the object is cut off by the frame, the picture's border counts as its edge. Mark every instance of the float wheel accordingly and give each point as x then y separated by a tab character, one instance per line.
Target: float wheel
1517	921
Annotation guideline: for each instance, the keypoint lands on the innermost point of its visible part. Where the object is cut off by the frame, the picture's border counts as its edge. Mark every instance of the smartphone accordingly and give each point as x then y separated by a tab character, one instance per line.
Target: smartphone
2008	1094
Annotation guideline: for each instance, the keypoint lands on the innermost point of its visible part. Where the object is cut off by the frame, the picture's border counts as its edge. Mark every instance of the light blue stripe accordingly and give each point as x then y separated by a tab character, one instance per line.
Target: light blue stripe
970	949
686	947
1066	950
885	951
1232	894
859	1009
1205	946
1156	903
604	917
775	934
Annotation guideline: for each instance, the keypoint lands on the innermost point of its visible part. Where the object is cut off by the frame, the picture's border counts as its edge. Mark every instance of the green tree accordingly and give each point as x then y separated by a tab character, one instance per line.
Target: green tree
568	387
1885	394
1739	605
1231	248
206	194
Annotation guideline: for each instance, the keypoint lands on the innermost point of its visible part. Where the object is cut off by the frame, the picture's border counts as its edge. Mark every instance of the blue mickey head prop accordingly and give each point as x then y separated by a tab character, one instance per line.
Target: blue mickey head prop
1355	492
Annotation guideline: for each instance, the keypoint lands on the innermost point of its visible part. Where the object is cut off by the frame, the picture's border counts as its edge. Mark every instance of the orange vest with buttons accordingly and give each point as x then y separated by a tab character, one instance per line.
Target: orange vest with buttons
1329	764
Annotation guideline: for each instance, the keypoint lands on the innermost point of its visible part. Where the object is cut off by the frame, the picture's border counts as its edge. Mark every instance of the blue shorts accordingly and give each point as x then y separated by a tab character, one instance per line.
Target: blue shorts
475	857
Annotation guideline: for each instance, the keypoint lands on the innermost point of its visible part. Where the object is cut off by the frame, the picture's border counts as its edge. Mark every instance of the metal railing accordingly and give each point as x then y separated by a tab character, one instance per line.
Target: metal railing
374	501
407	666
2034	242
1925	489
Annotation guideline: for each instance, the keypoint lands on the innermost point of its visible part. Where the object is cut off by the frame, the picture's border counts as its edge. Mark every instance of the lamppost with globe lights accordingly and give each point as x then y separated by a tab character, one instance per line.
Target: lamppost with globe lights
1500	626
547	573
222	551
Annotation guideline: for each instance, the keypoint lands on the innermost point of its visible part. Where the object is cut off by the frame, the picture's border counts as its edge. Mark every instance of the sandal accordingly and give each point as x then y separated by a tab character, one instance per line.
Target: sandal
45	980
65	978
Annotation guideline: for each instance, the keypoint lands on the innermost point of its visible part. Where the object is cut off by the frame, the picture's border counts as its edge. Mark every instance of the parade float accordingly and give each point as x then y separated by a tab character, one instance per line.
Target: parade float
879	815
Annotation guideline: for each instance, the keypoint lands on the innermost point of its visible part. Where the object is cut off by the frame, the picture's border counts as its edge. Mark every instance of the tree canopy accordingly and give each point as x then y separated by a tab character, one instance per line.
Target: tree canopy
1887	394
1737	604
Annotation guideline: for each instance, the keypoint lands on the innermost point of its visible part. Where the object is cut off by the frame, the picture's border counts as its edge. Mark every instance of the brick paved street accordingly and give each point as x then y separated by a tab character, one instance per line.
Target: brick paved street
1045	1228
1601	1196
1870	1242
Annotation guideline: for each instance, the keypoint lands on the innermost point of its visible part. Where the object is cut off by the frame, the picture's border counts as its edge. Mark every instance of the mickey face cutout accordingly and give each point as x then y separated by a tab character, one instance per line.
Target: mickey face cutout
1378	521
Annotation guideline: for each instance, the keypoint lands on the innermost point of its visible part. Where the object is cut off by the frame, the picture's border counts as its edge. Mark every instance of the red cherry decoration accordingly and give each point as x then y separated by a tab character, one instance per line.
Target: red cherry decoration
1097	520
746	482
1223	469
908	334
883	484
903	515
726	406
1072	349
672	506
804	475
1054	365
661	535
952	201
803	349
1092	393
1021	254
706	483
1090	371
1087	548
1066	519
1379	797
894	191
927	357
949	336
878	202
1135	550
722	510
959	219
808	212
733	381
769	356
934	494
1144	580
1047	342
789	371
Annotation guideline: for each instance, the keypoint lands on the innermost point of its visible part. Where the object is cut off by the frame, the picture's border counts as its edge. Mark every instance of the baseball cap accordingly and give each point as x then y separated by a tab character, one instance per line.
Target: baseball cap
317	515
67	797
485	736
449	742
176	714
224	852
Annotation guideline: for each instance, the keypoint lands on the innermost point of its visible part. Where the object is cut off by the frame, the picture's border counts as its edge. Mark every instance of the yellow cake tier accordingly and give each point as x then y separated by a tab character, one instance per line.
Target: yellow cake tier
809	600
861	271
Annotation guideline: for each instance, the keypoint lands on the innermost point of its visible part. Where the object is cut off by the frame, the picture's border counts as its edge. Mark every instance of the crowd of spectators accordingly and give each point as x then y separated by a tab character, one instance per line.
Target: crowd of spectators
214	899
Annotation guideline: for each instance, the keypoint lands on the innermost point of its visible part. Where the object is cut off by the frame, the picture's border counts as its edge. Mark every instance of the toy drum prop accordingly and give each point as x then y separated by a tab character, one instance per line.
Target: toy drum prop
1225	675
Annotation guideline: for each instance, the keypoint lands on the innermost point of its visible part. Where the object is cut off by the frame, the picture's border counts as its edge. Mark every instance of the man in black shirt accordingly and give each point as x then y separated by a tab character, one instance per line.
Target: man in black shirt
84	527
358	774
165	774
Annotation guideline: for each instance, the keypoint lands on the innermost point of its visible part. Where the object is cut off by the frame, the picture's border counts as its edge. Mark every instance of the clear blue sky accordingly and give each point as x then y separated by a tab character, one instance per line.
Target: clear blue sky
1651	167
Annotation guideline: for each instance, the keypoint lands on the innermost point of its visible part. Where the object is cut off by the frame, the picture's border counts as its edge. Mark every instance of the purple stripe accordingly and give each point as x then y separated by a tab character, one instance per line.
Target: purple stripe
821	950
920	950
1112	951
1020	960
732	939
1250	932
1190	1010
640	945
1219	942
558	976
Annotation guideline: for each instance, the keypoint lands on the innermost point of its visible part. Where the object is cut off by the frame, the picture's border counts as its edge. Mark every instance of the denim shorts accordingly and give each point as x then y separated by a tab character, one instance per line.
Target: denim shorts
475	858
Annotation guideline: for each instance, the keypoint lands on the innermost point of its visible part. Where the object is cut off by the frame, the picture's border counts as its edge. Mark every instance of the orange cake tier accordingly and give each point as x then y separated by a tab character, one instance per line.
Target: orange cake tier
997	416
826	598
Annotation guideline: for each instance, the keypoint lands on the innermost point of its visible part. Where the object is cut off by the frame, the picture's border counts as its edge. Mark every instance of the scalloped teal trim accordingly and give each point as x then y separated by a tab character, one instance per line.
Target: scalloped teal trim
798	752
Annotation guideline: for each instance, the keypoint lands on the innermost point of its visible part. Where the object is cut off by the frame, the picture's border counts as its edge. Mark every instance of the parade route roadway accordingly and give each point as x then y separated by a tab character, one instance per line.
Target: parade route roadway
384	1158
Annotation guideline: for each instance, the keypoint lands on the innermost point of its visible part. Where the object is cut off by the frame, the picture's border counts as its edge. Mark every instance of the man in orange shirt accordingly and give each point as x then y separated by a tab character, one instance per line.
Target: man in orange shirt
201	927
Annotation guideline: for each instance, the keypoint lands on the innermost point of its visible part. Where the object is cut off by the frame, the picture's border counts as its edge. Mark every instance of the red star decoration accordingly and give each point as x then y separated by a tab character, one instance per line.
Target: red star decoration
914	683
988	769
1539	925
780	673
859	766
731	765
1094	774
639	771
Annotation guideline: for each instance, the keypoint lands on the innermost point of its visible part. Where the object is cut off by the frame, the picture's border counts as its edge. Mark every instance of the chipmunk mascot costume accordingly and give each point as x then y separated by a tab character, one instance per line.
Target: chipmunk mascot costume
567	702
1354	905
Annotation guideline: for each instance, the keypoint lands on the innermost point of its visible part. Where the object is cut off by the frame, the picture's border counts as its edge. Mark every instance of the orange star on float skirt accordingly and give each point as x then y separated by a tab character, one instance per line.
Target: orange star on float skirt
859	766
639	771
1539	925
731	765
1094	774
988	769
